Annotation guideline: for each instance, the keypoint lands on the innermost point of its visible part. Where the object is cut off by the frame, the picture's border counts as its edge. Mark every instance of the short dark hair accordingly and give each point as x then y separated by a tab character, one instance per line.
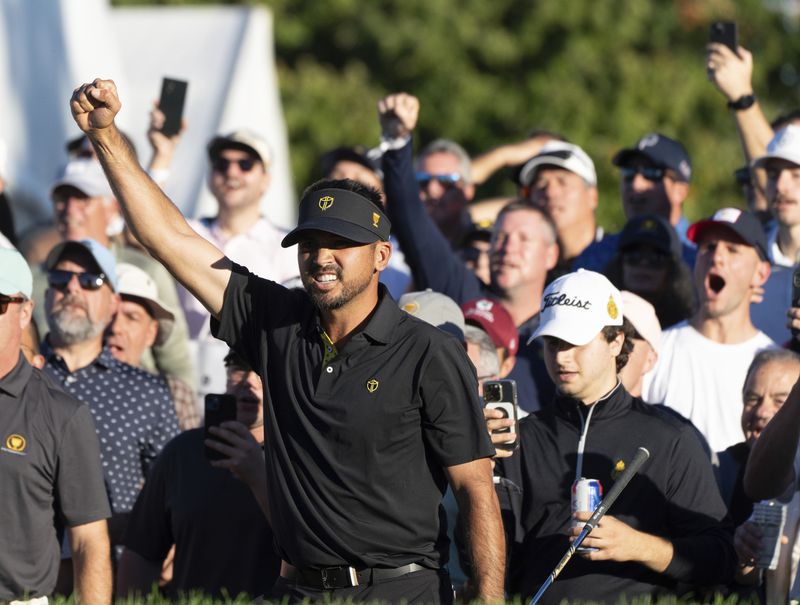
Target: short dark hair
369	193
766	356
628	331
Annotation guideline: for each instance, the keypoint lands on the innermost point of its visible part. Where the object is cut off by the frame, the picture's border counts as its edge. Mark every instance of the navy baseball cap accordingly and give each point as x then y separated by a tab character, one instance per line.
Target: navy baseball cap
742	223
662	151
341	212
654	231
101	256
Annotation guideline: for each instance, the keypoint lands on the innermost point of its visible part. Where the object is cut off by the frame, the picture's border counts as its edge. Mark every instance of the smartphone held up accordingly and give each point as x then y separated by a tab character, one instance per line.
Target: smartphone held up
171	103
219	408
502	395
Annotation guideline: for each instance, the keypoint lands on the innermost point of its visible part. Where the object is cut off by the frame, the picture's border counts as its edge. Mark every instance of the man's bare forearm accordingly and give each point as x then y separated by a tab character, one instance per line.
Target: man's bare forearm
480	512
91	559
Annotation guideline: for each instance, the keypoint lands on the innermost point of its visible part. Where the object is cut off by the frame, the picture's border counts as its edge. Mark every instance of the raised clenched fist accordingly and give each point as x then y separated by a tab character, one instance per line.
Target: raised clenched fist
94	105
398	115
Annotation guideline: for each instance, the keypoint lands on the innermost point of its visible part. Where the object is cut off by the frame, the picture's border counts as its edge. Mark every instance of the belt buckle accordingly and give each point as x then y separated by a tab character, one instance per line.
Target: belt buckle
332	577
324	575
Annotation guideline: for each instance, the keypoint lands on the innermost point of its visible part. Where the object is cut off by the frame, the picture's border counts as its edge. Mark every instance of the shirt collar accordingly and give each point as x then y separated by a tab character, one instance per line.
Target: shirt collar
777	257
14	382
381	324
617	402
105	360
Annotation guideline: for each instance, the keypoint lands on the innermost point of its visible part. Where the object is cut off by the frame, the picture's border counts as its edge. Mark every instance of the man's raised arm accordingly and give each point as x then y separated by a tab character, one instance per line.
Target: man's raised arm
153	218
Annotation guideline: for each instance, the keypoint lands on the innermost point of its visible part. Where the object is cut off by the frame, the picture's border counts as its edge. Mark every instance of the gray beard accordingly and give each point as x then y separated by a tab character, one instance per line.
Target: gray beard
72	330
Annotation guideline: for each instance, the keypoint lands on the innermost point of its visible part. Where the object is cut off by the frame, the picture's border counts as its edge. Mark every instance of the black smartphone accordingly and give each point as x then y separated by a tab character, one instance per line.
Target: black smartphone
173	98
724	32
219	408
502	395
796	294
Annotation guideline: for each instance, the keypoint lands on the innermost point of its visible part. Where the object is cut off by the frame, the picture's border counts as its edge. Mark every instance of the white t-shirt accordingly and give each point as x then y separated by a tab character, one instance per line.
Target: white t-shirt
258	249
702	380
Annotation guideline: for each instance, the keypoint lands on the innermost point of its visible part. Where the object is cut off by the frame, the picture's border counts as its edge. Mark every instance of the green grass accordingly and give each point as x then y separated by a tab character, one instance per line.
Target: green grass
199	599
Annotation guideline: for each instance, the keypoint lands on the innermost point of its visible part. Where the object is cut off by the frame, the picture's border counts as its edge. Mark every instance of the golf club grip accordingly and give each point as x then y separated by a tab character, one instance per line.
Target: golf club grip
638	460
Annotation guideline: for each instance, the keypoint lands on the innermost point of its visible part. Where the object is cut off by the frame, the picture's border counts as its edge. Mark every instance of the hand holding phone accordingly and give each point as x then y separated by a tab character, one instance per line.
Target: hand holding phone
219	408
501	395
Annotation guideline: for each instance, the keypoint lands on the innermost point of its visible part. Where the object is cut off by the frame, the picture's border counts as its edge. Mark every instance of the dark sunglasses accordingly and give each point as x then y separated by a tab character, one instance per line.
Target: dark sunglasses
448	181
221	165
7	300
651	173
59	280
645	258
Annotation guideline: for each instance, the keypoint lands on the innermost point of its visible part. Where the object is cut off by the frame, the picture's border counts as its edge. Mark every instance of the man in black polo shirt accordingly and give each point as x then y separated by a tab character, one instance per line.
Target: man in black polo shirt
49	466
369	411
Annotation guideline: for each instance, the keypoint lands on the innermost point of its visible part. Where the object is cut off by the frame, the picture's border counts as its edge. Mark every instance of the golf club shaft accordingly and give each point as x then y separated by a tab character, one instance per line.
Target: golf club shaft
630	470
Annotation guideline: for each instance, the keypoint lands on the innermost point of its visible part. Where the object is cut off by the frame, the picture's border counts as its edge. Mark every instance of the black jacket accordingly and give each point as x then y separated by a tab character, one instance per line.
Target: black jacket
674	495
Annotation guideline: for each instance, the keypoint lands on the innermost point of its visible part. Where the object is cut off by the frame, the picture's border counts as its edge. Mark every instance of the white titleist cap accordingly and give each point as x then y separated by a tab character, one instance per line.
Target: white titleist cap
785	145
564	155
577	306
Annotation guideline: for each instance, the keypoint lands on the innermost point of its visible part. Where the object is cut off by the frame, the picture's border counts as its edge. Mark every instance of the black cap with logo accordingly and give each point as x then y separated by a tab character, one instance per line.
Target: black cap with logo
341	212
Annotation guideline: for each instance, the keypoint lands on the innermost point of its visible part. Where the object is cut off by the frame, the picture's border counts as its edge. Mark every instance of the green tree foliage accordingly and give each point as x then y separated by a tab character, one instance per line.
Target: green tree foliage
487	72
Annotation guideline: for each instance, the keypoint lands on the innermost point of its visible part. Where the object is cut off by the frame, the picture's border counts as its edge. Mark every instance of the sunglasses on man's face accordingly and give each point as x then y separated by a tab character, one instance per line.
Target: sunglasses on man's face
645	258
7	300
221	165
651	173
448	181
59	279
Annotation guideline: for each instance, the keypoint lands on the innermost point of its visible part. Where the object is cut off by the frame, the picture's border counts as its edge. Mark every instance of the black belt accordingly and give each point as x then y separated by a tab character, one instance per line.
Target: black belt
329	578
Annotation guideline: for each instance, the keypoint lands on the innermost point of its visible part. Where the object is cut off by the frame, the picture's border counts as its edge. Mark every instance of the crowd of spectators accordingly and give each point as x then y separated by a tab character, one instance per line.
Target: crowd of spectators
675	334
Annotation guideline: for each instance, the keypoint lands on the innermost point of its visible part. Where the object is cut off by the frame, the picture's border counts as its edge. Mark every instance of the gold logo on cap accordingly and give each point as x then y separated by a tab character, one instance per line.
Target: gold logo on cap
372	385
325	202
375	218
411	307
16	443
649	225
613	312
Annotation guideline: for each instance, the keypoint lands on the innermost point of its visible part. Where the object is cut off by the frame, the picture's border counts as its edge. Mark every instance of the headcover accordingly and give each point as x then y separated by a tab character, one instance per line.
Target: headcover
341	212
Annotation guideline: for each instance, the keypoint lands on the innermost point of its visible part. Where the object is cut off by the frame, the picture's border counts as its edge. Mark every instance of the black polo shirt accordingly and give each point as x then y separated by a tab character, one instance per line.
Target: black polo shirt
356	447
49	465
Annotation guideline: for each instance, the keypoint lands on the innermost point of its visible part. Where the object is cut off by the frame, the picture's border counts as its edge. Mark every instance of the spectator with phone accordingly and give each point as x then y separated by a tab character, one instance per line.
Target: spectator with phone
141	322
239	178
224	547
524	248
667	533
50	472
347	523
132	409
703	361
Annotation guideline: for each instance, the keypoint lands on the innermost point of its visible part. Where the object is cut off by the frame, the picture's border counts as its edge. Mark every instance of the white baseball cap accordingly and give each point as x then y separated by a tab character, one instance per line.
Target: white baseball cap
785	145
241	138
577	306
138	286
643	318
86	175
16	274
564	155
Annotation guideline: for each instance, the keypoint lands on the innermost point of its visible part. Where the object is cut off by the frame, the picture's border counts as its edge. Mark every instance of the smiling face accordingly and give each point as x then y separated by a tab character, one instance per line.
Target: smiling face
783	191
79	216
585	372
523	250
336	271
726	272
764	393
238	179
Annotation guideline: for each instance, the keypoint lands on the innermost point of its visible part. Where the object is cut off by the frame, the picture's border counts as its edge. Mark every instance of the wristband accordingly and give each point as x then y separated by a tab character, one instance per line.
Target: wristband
743	102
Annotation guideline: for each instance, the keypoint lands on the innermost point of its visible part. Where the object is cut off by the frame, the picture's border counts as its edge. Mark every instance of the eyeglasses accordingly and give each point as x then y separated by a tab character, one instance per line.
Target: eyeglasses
651	173
645	258
7	300
448	181
221	165
59	280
